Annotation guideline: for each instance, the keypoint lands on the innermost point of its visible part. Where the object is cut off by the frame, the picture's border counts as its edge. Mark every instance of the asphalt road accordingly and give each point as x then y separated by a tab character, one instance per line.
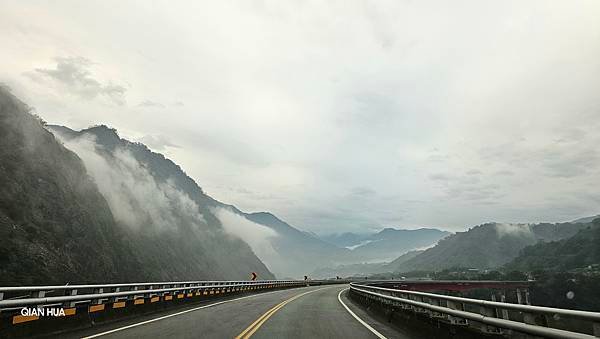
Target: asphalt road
308	312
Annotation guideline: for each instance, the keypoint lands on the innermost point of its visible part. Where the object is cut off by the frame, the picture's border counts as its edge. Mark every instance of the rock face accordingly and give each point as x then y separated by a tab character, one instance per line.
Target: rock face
67	220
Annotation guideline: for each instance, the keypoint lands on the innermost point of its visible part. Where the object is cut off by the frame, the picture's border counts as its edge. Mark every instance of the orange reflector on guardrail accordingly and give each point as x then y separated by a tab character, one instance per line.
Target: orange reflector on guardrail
119	304
17	319
96	308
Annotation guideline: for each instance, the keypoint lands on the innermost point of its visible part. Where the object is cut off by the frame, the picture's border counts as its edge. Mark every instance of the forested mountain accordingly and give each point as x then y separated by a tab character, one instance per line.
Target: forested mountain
486	246
118	215
54	224
396	264
577	252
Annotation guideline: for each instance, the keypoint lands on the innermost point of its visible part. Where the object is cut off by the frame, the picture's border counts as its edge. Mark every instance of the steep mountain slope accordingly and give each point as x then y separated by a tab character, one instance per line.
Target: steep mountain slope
171	222
395	265
390	243
288	252
486	246
54	224
576	252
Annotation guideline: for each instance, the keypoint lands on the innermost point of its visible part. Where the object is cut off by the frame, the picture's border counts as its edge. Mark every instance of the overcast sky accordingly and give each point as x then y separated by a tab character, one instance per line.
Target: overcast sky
335	115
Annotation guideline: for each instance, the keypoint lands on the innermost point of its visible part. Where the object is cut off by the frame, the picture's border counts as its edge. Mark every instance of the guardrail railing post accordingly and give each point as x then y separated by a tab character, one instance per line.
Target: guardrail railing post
38	294
133	296
519	297
99	300
503	299
115	299
488	312
453	305
71	293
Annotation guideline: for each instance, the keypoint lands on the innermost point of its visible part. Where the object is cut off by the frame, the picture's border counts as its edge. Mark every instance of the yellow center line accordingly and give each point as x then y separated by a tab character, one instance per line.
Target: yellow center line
248	332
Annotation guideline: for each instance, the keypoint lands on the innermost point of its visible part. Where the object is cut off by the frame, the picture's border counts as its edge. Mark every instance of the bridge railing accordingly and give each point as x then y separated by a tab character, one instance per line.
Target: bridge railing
70	295
493	317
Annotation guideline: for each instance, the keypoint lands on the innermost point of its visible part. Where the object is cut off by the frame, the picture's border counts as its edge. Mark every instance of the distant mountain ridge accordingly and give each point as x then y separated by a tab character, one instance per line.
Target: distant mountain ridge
585	220
576	252
486	246
387	244
390	243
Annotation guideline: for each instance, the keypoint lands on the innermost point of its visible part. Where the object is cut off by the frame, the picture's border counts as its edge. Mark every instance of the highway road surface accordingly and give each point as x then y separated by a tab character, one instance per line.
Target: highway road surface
308	312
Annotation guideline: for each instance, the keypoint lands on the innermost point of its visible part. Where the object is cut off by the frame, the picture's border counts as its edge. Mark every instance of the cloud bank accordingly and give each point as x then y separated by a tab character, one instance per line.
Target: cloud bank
336	116
74	77
135	198
259	237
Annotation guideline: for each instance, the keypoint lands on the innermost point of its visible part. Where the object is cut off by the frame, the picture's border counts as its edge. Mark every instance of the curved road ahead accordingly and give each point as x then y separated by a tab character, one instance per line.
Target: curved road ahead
308	312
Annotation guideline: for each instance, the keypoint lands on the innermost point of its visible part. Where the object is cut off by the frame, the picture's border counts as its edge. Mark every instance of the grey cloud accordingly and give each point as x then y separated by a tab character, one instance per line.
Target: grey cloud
363	191
242	152
390	96
570	162
468	187
438	158
74	75
135	198
440	177
504	173
157	142
149	103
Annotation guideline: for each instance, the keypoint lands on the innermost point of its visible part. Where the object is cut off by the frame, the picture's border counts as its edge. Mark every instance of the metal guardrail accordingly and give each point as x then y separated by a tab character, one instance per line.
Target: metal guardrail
492	316
68	296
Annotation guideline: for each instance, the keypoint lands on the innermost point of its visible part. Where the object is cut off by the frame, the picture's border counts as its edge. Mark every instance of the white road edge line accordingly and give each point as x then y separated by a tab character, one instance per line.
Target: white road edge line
172	315
374	331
